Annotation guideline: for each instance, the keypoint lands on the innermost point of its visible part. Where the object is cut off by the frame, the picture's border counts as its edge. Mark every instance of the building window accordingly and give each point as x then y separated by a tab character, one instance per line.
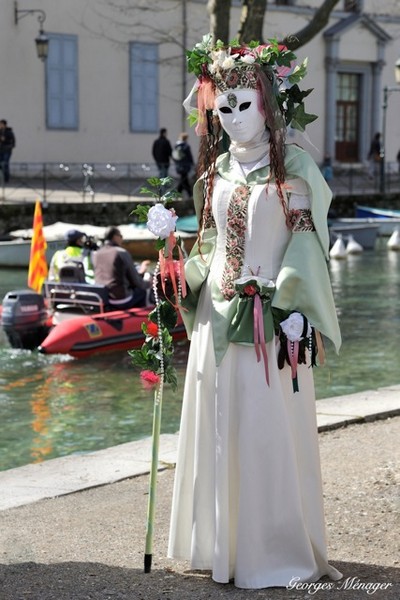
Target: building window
62	82
144	87
347	116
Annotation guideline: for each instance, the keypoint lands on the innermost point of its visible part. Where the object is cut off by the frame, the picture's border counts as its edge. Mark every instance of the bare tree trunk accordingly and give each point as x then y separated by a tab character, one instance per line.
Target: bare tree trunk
251	21
317	23
219	12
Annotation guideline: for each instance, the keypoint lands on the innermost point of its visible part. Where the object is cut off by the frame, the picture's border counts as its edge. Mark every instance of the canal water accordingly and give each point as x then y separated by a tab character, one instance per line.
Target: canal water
56	406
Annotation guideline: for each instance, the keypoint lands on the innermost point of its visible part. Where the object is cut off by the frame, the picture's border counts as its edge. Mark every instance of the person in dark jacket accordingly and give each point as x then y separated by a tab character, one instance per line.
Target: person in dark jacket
183	159
7	144
374	155
115	269
162	151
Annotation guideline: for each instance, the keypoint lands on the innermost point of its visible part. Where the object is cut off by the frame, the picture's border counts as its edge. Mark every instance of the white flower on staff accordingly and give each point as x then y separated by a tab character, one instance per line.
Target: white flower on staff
293	326
161	221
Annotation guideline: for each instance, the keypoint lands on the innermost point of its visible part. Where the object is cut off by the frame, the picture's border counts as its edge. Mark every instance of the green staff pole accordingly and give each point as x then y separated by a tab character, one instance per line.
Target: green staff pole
153	477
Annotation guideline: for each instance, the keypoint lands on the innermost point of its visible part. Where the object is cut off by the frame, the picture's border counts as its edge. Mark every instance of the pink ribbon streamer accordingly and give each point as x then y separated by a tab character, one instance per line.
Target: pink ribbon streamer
169	271
293	352
259	336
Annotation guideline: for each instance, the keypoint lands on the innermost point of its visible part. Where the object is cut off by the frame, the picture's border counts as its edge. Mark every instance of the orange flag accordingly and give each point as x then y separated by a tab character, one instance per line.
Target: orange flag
37	261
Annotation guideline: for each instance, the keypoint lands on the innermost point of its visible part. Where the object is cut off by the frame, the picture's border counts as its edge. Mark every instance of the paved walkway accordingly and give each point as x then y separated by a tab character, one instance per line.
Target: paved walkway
60	545
61	476
21	193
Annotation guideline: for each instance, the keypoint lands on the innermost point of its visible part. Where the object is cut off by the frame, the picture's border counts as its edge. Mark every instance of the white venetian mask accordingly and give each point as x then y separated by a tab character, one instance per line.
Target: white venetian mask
239	114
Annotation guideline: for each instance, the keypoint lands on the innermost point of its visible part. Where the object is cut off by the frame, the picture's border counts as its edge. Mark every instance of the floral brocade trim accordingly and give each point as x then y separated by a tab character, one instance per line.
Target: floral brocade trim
301	220
208	219
236	224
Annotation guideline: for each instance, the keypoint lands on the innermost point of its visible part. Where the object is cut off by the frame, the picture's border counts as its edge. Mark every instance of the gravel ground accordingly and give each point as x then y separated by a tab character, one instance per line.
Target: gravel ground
89	545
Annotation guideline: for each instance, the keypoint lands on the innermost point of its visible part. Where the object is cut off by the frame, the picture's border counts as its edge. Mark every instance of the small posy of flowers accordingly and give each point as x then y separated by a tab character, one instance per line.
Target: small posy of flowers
250	290
293	327
249	286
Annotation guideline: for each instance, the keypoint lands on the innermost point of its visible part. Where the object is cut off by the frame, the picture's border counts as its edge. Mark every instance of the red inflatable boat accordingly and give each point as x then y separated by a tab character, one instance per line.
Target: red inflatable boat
70	319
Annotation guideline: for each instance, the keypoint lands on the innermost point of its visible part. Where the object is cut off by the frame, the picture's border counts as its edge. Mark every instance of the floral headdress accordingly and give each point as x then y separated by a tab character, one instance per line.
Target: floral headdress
219	67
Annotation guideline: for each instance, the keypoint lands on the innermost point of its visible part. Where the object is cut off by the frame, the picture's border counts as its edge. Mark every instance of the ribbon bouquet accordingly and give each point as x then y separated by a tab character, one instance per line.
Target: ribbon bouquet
154	358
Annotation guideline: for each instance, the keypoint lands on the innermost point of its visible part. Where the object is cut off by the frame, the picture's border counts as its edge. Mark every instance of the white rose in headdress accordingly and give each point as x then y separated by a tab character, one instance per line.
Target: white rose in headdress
249	59
218	57
161	221
228	63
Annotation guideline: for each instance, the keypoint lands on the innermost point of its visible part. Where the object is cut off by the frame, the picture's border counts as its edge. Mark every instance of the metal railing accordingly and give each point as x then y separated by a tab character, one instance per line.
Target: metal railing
357	179
81	181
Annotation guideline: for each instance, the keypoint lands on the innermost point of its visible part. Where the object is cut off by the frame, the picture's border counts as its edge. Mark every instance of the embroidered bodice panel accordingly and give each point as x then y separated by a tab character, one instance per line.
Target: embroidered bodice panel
266	236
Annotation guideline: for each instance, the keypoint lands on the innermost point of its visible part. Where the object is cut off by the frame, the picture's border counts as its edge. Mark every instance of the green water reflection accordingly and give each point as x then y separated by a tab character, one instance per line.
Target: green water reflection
56	406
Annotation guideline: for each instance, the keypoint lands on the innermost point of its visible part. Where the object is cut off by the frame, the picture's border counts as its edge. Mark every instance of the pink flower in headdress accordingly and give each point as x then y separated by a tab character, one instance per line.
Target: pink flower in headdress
241	51
283	71
260	48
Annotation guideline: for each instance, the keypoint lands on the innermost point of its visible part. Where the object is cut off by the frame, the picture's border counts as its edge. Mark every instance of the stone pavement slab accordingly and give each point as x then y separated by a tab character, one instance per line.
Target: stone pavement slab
61	476
360	407
69	474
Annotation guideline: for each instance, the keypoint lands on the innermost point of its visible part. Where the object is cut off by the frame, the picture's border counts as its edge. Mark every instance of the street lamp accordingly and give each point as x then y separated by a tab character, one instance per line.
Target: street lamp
386	91
41	41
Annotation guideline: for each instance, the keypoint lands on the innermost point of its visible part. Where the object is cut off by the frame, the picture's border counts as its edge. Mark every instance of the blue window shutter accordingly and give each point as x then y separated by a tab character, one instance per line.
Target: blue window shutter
144	87
62	82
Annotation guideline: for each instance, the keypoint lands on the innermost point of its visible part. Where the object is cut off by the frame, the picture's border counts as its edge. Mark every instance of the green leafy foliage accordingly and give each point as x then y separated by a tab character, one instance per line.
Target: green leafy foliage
161	191
158	349
167	314
301	118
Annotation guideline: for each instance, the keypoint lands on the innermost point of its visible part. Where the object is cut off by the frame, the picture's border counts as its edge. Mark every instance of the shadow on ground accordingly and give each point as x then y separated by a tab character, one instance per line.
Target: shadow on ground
96	581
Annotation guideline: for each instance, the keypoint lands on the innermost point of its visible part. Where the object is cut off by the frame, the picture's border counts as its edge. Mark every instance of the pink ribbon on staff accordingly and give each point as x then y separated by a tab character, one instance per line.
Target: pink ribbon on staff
168	268
259	336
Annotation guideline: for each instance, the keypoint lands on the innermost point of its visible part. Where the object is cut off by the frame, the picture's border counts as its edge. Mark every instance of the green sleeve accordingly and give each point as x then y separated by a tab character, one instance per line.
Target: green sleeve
303	285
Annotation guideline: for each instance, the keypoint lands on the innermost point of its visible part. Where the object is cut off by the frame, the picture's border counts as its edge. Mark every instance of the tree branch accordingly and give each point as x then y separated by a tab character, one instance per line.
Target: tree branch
317	23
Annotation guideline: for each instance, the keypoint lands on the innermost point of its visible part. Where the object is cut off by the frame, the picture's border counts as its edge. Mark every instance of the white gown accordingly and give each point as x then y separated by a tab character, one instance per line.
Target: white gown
247	501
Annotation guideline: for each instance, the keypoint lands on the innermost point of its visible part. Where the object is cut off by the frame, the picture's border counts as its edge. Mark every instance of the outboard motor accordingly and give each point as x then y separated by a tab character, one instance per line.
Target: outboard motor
24	319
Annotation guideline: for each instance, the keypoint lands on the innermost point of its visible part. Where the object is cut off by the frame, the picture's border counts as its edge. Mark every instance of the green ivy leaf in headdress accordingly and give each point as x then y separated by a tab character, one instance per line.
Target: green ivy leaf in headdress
301	119
299	72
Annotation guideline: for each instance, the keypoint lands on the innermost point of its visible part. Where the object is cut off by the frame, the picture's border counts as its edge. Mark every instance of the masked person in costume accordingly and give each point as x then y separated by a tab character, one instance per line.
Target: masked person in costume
247	501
